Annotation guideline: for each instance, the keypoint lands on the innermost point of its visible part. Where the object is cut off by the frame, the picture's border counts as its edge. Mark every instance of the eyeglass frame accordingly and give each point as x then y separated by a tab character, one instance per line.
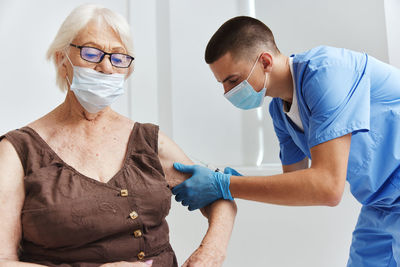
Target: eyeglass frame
102	57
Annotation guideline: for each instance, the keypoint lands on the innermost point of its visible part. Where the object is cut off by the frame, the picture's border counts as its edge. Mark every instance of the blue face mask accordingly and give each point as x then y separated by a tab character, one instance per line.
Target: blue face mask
244	96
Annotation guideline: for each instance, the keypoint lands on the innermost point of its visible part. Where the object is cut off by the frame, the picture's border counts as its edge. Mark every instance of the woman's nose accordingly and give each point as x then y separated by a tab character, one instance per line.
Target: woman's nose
105	66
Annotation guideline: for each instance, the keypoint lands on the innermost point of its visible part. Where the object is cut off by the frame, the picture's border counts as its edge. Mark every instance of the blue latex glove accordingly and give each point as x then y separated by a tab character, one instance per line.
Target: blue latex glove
202	188
229	170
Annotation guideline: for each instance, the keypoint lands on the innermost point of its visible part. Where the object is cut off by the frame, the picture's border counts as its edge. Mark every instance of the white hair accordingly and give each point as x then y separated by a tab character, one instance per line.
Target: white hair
75	22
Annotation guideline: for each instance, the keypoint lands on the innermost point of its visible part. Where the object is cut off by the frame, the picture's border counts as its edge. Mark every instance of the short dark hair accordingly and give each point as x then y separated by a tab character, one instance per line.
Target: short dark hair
240	36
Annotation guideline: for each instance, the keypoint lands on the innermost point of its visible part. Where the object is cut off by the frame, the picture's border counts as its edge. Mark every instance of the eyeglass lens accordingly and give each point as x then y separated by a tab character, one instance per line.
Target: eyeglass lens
95	55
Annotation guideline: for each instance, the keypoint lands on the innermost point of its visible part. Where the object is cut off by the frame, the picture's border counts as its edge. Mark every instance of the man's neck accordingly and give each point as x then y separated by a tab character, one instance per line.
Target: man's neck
281	79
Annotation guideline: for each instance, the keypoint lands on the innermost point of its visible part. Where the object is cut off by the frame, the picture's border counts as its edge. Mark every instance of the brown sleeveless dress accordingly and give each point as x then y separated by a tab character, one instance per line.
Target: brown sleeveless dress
69	219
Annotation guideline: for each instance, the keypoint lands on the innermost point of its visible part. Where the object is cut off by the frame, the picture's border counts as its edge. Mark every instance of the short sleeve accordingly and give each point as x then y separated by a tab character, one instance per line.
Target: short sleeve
338	99
289	153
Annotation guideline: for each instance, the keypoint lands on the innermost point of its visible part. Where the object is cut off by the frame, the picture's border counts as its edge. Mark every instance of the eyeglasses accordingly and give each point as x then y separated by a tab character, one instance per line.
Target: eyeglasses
95	55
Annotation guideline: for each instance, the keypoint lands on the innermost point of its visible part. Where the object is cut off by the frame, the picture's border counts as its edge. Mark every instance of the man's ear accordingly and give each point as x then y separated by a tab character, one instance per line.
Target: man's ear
267	60
60	62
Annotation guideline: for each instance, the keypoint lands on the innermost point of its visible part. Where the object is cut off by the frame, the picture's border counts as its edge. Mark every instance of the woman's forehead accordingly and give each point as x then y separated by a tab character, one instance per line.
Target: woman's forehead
100	33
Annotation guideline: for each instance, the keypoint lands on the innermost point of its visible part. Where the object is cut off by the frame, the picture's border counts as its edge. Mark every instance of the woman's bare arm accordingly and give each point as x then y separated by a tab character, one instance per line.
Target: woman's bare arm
221	214
11	201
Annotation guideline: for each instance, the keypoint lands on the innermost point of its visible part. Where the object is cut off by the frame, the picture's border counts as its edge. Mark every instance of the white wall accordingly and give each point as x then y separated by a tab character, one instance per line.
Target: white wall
300	25
205	125
144	84
392	11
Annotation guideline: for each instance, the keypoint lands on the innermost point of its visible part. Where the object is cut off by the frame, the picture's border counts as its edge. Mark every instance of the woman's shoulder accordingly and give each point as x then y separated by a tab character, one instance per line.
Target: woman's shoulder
41	125
12	152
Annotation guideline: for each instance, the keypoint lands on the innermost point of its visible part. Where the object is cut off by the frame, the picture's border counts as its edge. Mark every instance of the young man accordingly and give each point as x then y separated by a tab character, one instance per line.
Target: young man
337	107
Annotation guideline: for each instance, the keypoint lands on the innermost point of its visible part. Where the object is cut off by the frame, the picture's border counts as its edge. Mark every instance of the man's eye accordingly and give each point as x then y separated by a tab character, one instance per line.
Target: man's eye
233	81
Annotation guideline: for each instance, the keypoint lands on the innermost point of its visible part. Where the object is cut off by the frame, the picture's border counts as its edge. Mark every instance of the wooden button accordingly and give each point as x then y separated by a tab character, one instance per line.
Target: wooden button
141	255
124	192
137	233
133	215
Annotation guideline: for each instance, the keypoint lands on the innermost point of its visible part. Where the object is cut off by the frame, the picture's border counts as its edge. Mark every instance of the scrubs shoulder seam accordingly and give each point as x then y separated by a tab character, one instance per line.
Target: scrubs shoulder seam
326	65
358	126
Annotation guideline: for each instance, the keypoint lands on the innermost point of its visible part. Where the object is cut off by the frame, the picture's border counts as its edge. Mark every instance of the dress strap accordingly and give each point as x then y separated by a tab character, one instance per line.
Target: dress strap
144	139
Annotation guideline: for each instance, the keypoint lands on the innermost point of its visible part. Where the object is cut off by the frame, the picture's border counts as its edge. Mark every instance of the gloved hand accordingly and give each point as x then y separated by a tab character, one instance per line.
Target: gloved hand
229	170
202	188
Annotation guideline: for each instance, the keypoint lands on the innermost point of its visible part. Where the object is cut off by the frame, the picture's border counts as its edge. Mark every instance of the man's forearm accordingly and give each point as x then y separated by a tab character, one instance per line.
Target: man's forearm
298	188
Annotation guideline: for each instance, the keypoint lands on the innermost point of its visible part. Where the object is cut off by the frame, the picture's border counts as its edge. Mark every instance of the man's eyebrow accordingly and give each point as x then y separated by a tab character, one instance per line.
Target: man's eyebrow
227	78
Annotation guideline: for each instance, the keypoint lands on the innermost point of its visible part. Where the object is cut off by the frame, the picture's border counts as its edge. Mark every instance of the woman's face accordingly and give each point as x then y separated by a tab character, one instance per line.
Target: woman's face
101	36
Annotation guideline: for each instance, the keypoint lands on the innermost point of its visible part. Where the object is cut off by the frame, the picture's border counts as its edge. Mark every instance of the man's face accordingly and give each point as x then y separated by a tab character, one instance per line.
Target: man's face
231	72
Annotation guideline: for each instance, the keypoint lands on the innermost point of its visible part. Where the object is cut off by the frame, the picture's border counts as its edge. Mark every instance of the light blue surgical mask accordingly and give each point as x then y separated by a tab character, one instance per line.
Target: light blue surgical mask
95	90
244	96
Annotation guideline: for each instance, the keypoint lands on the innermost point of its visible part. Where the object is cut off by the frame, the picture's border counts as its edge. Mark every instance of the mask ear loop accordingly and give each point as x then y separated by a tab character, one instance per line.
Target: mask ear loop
255	63
265	81
66	54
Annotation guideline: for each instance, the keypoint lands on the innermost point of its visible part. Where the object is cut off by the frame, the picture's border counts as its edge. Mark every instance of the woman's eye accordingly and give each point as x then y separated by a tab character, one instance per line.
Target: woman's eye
91	55
233	81
117	60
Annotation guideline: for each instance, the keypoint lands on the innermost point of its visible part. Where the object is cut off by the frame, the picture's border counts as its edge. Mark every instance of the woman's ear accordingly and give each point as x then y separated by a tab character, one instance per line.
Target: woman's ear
60	62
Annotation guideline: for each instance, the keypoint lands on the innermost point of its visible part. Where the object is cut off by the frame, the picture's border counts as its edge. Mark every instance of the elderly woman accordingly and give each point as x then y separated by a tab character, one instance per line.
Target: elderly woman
86	186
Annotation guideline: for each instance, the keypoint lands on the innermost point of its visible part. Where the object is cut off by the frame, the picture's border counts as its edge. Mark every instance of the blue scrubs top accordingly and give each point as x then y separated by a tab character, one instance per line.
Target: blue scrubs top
339	92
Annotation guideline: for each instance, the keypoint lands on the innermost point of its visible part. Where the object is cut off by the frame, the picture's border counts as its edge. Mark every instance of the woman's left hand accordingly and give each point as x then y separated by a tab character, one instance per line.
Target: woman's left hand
206	256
